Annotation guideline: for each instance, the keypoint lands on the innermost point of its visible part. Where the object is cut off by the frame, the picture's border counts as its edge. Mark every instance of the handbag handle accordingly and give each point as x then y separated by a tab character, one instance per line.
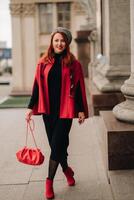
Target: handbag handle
31	130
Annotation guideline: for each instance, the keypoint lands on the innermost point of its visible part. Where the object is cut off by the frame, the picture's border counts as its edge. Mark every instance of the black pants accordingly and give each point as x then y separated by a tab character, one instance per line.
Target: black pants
58	136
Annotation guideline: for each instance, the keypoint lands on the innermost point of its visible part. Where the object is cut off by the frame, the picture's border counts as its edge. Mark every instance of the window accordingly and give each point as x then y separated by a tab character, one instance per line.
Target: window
63	14
52	15
45	17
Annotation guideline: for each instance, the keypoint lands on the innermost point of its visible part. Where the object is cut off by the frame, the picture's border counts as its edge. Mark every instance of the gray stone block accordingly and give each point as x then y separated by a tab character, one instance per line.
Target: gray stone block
118	142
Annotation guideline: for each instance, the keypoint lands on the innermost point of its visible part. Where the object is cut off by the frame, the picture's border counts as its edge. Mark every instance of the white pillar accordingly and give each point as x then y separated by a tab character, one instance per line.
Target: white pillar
29	45
116	46
17	52
24	46
125	110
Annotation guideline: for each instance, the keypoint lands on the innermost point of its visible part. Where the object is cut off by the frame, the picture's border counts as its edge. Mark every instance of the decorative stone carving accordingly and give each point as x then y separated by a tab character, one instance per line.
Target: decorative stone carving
16	9
22	9
87	6
93	36
28	9
78	8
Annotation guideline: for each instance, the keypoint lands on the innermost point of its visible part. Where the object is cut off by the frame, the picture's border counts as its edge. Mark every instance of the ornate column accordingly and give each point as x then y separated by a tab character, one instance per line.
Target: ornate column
17	50
125	110
116	46
24	48
29	44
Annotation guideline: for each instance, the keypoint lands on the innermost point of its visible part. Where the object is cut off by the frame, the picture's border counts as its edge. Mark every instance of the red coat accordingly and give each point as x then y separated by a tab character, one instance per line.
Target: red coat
67	102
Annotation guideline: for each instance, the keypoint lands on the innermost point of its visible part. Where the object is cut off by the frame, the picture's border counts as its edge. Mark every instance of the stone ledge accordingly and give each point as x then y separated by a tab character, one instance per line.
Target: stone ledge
103	101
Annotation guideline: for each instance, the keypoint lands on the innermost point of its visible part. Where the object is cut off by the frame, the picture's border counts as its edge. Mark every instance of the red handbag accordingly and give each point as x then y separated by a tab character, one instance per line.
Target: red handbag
30	156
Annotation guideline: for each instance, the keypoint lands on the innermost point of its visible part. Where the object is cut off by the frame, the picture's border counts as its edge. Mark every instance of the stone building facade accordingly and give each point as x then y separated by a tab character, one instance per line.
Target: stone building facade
114	79
114	39
113	29
32	23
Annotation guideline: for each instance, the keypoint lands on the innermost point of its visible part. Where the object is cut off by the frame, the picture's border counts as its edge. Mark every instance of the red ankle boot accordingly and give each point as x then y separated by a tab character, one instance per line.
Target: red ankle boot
49	189
69	175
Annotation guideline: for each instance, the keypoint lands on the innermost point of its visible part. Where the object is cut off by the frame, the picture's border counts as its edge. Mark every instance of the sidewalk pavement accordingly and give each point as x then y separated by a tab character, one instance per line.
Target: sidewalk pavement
23	182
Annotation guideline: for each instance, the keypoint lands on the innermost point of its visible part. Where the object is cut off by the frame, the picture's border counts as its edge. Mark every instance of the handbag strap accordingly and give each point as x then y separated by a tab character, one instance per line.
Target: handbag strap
29	126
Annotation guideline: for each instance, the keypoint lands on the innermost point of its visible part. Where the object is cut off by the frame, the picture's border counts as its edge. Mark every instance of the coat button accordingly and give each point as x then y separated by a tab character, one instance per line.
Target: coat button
72	85
71	76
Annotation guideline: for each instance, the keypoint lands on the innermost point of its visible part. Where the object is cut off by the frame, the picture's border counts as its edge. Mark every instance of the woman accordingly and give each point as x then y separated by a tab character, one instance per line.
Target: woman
59	95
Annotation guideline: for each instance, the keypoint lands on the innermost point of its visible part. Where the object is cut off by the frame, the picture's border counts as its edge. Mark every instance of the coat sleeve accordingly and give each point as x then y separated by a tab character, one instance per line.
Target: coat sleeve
82	88
34	96
35	90
78	98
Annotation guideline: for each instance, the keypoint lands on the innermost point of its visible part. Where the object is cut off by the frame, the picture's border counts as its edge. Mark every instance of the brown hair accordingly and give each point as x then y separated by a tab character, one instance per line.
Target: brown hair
68	57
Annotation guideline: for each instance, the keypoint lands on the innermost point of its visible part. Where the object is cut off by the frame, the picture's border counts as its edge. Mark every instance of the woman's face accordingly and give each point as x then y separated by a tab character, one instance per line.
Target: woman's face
58	43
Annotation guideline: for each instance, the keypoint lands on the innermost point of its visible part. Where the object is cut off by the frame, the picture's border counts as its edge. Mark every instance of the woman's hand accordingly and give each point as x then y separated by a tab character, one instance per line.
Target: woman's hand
81	117
29	113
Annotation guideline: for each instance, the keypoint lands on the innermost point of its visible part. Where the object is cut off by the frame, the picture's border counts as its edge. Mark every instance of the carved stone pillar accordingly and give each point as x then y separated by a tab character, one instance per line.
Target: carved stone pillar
29	44
17	50
23	42
116	46
125	110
